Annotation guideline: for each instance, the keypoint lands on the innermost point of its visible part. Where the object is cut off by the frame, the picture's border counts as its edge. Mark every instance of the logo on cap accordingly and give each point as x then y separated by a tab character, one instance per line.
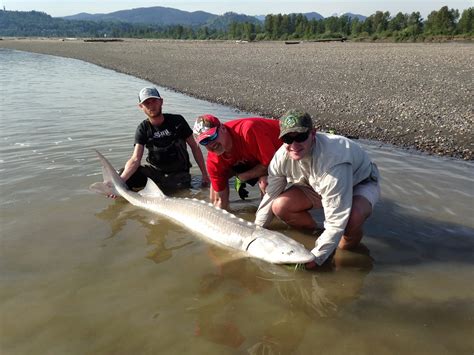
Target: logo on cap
295	121
290	121
205	126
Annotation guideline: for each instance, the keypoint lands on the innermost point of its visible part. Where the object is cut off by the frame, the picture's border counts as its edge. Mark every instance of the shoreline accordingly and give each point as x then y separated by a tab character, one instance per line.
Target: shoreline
413	95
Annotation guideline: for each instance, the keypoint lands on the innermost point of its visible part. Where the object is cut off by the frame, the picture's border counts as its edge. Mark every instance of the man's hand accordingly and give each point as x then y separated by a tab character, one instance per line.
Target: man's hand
104	188
311	265
112	192
205	181
240	188
262	184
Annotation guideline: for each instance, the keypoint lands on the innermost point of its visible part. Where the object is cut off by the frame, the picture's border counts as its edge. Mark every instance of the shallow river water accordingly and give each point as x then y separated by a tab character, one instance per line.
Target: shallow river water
82	274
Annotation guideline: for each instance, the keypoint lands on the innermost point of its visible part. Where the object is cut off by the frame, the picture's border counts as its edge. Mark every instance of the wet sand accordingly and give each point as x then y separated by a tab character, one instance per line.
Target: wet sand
410	95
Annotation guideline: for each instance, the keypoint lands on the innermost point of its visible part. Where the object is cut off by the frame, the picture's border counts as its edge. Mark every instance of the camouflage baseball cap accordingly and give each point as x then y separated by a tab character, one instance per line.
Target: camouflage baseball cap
295	121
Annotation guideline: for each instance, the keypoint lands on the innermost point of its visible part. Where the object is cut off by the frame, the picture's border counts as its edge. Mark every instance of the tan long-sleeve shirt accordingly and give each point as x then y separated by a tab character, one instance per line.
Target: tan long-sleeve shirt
333	167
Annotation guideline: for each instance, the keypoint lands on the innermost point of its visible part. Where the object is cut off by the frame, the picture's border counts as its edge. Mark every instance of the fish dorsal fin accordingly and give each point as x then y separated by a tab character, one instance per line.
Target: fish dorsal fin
151	190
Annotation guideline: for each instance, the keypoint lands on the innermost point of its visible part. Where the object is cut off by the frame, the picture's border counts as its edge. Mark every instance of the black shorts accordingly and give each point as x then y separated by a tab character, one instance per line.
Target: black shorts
166	182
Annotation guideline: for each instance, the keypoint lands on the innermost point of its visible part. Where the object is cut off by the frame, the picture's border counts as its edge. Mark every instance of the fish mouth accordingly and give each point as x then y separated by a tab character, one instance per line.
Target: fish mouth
293	261
296	254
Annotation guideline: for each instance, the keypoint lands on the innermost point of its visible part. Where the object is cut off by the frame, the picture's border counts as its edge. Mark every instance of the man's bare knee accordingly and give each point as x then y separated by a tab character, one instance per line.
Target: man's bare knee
361	210
350	241
279	207
356	220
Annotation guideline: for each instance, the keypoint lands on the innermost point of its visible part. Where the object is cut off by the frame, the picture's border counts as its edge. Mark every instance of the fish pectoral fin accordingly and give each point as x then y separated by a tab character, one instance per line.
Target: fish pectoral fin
103	188
151	190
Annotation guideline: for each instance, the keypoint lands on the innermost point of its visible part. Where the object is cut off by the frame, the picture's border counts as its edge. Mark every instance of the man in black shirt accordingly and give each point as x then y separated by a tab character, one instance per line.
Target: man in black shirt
165	136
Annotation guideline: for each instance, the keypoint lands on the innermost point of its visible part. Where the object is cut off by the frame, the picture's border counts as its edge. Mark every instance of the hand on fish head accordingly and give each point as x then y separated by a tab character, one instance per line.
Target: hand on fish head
277	248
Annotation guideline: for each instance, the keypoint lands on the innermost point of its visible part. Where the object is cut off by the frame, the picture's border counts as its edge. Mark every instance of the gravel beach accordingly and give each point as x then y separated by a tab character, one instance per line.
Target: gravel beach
414	95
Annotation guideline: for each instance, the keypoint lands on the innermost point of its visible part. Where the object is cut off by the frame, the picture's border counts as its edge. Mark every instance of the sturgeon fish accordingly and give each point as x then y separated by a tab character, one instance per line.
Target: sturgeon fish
210	222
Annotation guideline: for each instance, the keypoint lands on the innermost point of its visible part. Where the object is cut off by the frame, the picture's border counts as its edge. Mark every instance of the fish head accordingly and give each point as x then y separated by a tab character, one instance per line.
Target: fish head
277	248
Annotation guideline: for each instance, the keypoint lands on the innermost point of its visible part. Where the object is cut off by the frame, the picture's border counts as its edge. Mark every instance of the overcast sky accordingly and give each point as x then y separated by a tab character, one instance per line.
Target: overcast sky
326	8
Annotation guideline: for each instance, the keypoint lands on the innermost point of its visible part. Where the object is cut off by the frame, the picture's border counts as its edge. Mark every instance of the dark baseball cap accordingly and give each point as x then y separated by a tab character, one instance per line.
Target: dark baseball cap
295	121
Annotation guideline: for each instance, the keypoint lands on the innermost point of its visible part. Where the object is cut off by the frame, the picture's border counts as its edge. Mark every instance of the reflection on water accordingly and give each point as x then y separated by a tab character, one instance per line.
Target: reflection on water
117	214
85	274
301	298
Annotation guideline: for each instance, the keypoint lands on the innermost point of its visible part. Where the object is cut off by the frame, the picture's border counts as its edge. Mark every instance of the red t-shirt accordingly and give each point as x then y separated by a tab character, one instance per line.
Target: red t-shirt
254	141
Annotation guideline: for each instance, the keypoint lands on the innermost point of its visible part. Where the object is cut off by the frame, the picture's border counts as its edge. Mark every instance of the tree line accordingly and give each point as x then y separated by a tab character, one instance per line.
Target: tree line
381	25
444	22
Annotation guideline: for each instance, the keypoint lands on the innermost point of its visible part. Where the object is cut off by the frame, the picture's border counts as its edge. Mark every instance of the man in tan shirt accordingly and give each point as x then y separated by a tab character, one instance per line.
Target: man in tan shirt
318	170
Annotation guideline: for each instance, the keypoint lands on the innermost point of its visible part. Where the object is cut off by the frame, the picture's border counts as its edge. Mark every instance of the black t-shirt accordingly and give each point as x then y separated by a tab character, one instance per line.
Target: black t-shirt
166	143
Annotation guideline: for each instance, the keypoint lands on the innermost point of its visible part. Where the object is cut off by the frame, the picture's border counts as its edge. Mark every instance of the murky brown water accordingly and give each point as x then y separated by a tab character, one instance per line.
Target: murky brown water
82	274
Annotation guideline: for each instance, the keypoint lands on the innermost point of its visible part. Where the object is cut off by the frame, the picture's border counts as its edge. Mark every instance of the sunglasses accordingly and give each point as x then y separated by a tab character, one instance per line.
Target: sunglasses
208	140
299	138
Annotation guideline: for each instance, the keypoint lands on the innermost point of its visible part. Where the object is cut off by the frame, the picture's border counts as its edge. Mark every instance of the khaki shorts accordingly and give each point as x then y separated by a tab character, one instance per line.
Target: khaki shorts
368	188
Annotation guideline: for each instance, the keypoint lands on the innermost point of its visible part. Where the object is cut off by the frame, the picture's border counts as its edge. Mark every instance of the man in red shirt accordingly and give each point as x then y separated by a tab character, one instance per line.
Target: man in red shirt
242	148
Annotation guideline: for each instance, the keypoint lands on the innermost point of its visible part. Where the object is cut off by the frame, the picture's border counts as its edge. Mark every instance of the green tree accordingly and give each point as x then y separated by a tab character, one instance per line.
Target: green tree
178	32
415	24
268	26
235	30
277	30
301	23
380	21
368	25
320	27
465	24
311	29
249	31
442	22
285	26
203	33
356	27
345	25
399	22
331	25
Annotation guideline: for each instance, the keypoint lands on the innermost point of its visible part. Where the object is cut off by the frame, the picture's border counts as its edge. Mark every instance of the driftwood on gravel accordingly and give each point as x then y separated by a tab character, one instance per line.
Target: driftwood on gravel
103	40
342	39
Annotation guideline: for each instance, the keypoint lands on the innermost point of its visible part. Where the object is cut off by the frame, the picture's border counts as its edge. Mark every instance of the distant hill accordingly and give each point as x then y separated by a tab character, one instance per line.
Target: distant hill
165	16
152	22
83	16
309	16
34	23
313	15
223	22
157	15
353	16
